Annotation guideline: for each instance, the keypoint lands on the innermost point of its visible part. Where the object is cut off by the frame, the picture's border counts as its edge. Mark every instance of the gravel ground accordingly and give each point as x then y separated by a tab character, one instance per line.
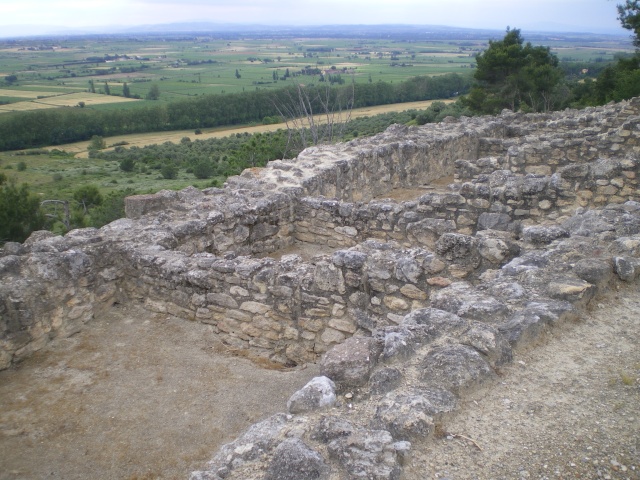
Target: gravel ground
138	397
133	396
567	409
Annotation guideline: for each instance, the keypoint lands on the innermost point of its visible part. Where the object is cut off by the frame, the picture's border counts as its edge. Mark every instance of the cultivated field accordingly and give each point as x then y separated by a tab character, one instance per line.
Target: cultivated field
53	100
187	65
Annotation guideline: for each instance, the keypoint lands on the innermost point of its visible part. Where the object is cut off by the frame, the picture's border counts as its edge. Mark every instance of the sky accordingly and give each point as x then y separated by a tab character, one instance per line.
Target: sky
596	16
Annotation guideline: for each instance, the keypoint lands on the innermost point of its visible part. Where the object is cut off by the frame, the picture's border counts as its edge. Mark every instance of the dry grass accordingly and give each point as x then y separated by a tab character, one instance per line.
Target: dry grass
7	92
59	100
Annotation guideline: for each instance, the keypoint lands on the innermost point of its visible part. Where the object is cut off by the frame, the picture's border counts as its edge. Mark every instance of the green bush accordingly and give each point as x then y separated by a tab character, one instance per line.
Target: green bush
169	171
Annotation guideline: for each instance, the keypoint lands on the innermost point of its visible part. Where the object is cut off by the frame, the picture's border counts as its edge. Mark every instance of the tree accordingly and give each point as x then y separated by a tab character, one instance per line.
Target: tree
126	92
514	75
92	86
620	81
154	92
169	171
314	114
238	76
107	90
629	16
111	208
203	169
11	78
127	164
97	143
87	196
19	212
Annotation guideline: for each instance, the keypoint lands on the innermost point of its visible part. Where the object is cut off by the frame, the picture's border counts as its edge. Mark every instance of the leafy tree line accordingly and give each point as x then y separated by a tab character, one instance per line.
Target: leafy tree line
21	130
19	211
518	76
230	155
620	80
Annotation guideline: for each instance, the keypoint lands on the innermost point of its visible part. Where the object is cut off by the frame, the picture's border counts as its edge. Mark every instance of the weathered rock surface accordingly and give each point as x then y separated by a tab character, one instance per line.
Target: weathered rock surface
319	393
407	305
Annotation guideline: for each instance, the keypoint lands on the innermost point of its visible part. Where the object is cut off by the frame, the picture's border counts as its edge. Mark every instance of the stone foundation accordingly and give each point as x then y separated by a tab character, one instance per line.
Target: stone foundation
541	216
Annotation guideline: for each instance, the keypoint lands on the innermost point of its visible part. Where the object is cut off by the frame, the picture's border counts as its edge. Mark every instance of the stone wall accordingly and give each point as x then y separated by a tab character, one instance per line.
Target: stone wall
204	255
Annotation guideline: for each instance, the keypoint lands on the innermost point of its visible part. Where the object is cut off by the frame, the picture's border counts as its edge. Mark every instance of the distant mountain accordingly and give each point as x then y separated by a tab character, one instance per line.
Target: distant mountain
227	29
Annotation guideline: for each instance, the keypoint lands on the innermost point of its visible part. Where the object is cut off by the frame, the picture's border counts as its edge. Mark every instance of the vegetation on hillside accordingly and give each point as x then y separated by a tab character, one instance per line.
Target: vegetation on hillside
621	80
510	74
19	211
59	126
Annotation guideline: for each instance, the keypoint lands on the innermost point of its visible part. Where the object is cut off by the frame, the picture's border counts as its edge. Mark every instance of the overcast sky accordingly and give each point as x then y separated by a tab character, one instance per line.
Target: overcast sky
563	15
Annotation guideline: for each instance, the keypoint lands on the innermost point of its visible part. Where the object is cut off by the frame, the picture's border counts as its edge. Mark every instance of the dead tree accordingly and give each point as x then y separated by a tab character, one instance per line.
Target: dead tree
65	205
315	114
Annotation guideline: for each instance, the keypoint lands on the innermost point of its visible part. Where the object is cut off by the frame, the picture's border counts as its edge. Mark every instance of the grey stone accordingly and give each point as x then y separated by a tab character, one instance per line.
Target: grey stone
351	362
457	368
294	460
489	342
543	235
527	324
351	259
318	393
625	268
370	454
494	221
410	415
384	380
597	272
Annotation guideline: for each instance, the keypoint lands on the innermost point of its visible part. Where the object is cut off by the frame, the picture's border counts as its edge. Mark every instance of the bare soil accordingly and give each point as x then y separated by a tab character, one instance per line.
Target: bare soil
569	408
141	396
133	396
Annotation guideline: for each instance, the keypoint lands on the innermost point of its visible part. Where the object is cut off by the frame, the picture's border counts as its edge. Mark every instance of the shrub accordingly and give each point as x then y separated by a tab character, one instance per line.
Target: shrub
169	171
203	169
127	164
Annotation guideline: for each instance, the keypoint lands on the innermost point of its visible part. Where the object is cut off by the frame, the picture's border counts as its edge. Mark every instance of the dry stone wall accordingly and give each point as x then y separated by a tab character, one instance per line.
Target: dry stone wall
308	259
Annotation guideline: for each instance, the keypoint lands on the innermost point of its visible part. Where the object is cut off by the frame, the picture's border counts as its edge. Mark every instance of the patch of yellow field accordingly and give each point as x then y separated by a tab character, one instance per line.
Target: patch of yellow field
72	99
64	100
24	107
56	87
7	92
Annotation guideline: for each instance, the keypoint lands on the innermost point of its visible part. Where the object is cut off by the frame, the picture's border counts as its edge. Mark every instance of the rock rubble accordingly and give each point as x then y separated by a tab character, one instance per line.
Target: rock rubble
418	302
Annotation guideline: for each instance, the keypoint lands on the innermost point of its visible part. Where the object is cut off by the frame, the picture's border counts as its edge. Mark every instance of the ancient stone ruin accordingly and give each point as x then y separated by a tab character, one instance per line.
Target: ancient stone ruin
410	264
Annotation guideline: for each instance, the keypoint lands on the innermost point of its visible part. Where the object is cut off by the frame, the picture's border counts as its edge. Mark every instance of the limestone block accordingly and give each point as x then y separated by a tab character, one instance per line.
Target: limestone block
239	315
413	292
222	300
395	303
440	282
331	335
317	312
250	329
344	325
155	306
351	362
238	291
255	307
311	324
203	314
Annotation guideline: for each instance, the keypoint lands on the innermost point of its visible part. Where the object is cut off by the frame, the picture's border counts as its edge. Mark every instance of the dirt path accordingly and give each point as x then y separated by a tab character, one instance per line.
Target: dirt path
133	396
568	409
143	139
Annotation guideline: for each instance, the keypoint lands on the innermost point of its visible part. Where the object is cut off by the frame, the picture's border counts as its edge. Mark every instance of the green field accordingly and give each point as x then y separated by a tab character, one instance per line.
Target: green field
94	72
191	65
